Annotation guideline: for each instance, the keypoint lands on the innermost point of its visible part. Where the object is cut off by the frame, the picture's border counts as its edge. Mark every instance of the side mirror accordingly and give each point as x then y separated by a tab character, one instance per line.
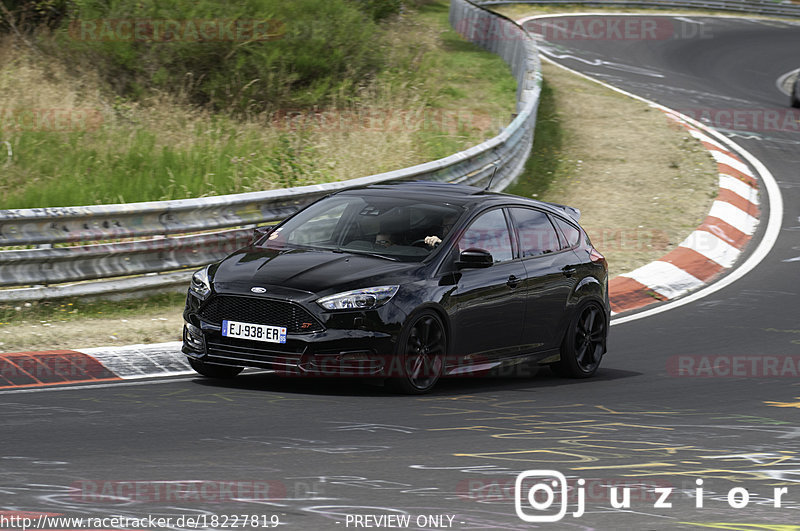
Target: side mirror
474	258
260	232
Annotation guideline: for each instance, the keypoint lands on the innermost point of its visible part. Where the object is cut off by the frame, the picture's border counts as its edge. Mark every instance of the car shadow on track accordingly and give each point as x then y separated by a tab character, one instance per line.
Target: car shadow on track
450	386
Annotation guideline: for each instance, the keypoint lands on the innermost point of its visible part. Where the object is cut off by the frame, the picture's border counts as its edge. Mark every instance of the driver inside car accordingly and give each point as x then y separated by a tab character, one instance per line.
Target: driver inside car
447	224
386	238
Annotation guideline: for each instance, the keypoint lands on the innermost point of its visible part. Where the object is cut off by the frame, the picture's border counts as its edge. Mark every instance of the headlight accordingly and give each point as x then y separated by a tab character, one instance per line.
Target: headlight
200	284
359	299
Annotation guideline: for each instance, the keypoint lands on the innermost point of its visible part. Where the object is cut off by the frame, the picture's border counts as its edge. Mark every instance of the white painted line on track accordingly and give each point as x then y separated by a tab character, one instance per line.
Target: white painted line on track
665	279
742	189
774	197
781	81
154	379
157	379
142	361
707	139
712	247
733	162
734	216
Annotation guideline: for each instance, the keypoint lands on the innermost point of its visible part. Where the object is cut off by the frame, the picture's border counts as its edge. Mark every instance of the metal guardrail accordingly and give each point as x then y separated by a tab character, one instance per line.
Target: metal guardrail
181	230
173	222
759	7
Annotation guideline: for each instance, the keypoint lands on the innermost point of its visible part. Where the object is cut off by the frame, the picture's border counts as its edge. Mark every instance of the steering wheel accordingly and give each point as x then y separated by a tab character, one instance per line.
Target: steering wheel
419	243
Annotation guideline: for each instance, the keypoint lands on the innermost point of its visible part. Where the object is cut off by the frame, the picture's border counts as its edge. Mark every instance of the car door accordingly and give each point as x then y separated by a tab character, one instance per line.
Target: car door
550	267
488	303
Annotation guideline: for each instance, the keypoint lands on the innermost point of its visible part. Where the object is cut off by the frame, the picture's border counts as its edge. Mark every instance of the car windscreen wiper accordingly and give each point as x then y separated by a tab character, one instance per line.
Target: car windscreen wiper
367	253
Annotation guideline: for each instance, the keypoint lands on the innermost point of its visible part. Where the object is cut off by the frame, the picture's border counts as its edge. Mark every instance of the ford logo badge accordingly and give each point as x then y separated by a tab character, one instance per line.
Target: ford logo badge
258	289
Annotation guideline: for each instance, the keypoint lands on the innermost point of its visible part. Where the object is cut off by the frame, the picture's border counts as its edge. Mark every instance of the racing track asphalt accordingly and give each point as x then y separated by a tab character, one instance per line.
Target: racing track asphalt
315	451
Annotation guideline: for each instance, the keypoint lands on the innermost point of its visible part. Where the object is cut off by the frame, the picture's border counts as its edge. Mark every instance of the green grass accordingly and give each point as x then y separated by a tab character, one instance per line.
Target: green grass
461	74
74	309
169	150
468	92
116	165
304	52
546	160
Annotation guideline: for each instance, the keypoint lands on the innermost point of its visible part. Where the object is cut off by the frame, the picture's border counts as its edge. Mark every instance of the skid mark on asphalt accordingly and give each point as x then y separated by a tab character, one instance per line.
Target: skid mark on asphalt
630	442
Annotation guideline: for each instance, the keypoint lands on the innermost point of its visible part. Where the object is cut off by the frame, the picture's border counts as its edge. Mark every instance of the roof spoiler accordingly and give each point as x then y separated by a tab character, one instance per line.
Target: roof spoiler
572	212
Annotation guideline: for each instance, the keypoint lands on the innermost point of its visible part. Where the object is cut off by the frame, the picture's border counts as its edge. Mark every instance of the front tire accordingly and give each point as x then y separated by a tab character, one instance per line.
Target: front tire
584	343
421	352
214	371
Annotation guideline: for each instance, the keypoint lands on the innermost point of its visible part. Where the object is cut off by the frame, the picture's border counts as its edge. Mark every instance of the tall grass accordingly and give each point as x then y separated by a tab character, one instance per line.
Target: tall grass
434	95
304	52
123	166
547	159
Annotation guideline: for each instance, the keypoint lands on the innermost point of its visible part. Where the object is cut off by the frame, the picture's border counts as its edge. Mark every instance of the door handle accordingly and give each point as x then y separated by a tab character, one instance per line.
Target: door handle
568	271
513	281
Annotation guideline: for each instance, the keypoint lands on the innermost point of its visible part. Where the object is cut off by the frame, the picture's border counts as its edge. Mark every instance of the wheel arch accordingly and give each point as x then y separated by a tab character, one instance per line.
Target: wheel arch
439	310
588	289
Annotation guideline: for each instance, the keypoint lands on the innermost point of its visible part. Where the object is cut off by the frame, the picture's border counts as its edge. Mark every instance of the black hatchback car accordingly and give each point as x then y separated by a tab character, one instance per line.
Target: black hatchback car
408	282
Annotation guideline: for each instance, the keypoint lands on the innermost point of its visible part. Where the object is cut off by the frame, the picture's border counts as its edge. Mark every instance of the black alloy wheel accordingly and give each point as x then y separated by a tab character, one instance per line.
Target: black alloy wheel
423	345
584	343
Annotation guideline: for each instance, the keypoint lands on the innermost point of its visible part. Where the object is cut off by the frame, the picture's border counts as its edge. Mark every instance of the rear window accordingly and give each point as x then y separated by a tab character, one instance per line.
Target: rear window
570	233
536	234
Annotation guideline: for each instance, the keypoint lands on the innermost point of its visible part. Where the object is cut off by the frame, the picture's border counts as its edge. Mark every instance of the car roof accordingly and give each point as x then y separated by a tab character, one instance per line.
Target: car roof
459	194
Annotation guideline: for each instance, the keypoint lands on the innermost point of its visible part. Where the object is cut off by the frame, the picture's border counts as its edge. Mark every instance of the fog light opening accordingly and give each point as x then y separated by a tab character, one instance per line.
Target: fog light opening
363	355
194	337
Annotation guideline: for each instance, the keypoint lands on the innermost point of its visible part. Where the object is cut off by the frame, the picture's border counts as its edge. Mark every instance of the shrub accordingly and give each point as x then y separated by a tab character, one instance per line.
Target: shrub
379	9
316	49
27	15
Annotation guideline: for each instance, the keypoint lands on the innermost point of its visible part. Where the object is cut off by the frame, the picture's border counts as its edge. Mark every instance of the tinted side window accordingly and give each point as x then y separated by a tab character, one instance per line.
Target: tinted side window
490	233
571	233
536	234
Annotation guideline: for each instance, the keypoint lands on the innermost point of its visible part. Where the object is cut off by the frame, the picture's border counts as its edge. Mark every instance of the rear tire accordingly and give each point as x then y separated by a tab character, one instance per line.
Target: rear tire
796	94
584	343
422	349
214	371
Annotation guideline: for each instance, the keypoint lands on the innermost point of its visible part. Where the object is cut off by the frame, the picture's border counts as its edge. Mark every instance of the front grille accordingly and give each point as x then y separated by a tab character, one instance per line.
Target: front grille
295	318
241	352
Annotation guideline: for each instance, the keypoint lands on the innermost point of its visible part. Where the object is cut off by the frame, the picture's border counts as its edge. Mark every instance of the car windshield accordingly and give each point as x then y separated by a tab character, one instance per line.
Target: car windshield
390	227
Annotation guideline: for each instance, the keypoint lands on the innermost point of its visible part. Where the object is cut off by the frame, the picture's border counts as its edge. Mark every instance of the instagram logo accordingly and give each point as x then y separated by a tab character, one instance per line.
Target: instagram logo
540	496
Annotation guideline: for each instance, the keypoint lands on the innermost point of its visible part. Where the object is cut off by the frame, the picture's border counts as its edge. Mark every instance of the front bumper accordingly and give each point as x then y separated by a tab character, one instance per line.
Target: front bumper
351	344
329	353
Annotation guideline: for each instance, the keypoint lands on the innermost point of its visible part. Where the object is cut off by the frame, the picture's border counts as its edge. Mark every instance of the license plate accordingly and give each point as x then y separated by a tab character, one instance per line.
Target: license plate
255	332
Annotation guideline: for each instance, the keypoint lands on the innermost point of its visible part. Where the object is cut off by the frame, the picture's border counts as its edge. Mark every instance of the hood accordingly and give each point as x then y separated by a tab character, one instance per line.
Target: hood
303	270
